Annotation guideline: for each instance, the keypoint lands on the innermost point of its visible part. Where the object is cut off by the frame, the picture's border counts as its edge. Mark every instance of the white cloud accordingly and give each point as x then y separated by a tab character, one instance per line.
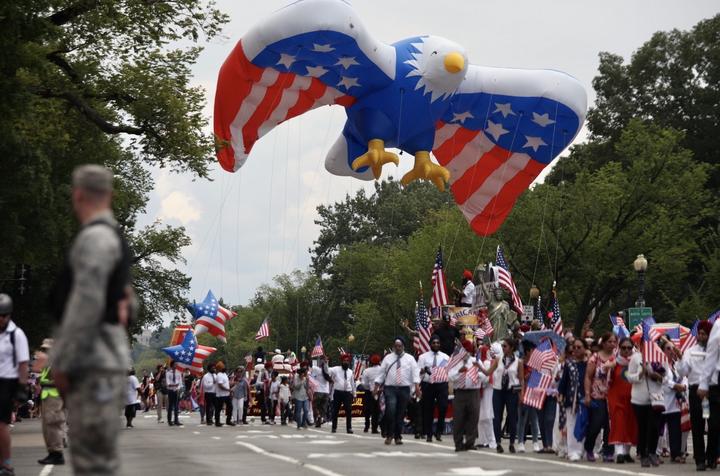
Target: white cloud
179	206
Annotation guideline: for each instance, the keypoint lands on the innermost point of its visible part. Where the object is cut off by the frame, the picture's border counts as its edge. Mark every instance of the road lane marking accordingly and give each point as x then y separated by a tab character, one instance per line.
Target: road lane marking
47	469
475	471
386	454
564	464
288	459
215	437
327	442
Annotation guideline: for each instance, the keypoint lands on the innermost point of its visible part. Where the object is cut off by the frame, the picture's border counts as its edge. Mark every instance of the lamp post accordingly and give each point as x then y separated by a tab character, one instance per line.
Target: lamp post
303	349
535	299
640	265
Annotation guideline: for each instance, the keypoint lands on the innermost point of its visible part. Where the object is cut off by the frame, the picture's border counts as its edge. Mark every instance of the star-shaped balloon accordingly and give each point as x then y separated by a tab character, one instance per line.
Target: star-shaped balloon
189	354
210	316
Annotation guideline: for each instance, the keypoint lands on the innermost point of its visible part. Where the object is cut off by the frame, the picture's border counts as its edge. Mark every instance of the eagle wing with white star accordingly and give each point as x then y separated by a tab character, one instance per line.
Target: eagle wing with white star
309	54
503	128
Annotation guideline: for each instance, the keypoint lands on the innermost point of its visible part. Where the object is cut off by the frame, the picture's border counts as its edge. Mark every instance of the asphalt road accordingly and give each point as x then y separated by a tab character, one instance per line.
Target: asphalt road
158	450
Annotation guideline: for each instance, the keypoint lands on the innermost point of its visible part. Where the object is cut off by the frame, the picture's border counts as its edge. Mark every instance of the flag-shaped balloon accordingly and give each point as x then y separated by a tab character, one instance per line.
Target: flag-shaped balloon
210	316
188	354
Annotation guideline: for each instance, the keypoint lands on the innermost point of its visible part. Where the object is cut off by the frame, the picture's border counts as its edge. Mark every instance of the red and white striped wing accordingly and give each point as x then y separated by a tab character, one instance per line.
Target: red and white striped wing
215	325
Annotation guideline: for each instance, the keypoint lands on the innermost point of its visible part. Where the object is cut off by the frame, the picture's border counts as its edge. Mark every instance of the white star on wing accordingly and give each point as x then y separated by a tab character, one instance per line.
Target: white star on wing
461	117
347	61
348	82
542	119
534	142
286	60
316	71
504	109
323	48
495	130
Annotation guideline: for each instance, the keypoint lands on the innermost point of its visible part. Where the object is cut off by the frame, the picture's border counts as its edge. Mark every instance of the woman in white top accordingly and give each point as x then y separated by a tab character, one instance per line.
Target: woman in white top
132	400
674	387
486	432
507	375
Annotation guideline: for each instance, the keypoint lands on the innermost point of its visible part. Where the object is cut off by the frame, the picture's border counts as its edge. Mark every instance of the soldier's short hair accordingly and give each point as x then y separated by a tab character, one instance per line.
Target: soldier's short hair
94	178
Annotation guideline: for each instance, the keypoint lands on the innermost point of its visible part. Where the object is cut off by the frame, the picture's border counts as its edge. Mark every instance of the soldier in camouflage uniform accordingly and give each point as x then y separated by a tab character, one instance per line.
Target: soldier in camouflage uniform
93	299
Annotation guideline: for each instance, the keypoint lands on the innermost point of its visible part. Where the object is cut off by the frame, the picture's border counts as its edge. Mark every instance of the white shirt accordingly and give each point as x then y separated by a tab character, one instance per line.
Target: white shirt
468	293
711	366
643	389
173	379
692	363
132	390
284	392
671	403
22	351
368	376
274	386
432	359
321	385
343	380
209	383
409	371
222	381
512	372
462	380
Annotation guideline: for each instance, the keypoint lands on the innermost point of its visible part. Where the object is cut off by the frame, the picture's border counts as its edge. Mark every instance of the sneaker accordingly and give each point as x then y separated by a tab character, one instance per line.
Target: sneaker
521	447
428	439
574	458
645	462
536	447
590	457
700	467
398	441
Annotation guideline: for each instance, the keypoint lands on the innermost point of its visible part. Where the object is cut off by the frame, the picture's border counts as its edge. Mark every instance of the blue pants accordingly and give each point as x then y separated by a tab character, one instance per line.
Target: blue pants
396	400
547	421
301	406
528	412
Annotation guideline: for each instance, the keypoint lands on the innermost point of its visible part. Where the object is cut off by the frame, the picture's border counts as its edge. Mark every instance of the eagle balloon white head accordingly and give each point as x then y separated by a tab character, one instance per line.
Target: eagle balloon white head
441	65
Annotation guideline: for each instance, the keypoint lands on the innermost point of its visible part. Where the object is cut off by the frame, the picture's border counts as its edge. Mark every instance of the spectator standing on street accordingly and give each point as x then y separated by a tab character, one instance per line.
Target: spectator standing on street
209	388
597	381
240	392
94	301
709	387
284	399
506	372
434	391
300	389
161	399
134	390
173	382
321	395
14	358
467	380
222	396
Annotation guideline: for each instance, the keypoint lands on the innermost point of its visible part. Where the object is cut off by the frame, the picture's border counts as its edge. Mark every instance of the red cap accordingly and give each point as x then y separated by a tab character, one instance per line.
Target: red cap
375	359
467	274
345	358
705	326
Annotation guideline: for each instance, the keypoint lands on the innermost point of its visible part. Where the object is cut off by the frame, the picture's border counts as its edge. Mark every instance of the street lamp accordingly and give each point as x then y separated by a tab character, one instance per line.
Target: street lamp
640	264
303	349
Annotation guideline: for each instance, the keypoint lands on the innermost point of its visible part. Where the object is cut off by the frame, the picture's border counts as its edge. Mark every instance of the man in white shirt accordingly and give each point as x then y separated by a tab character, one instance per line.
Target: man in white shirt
434	390
222	395
209	387
467	380
173	382
467	294
399	372
14	359
371	406
343	391
710	389
320	376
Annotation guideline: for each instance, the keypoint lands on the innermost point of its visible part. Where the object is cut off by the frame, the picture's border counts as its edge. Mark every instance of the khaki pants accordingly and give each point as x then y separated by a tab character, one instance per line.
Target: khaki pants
94	404
53	423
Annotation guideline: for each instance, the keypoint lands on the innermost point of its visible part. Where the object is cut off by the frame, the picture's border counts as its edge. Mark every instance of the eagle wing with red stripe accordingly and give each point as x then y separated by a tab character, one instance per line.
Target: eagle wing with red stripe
293	62
503	128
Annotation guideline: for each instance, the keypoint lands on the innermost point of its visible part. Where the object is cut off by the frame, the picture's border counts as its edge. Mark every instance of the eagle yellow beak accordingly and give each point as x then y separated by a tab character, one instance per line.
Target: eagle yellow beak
454	62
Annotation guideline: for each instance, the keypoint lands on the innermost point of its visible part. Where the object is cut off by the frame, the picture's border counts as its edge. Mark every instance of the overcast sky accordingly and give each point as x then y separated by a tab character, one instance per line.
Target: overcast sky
257	223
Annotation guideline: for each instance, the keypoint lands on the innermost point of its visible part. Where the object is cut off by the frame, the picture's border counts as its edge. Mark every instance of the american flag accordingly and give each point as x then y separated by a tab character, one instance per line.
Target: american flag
359	366
690	337
317	351
543	357
479	333
457	357
188	354
484	322
264	330
439	374
651	352
554	315
537	384
210	316
506	281
421	342
439	294
619	327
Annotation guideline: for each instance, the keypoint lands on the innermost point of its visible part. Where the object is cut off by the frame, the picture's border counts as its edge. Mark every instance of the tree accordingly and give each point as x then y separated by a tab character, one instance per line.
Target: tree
96	81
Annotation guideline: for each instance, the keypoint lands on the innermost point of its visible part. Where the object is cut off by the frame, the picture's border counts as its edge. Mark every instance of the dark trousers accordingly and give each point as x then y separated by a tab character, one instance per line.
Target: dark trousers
505	400
210	413
647	422
371	411
698	425
674	433
396	400
466	411
713	425
260	399
173	407
246	404
221	402
342	399
434	394
415	415
320	404
599	420
546	416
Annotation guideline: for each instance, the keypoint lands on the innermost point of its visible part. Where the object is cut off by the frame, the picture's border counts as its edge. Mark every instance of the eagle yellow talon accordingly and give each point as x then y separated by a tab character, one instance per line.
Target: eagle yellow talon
426	170
375	158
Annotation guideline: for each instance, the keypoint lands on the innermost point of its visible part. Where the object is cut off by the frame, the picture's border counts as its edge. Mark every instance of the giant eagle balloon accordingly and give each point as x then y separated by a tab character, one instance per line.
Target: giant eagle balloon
492	130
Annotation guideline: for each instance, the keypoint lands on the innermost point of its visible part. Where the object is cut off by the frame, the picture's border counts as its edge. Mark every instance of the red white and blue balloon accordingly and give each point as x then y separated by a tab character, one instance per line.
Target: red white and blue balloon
210	316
